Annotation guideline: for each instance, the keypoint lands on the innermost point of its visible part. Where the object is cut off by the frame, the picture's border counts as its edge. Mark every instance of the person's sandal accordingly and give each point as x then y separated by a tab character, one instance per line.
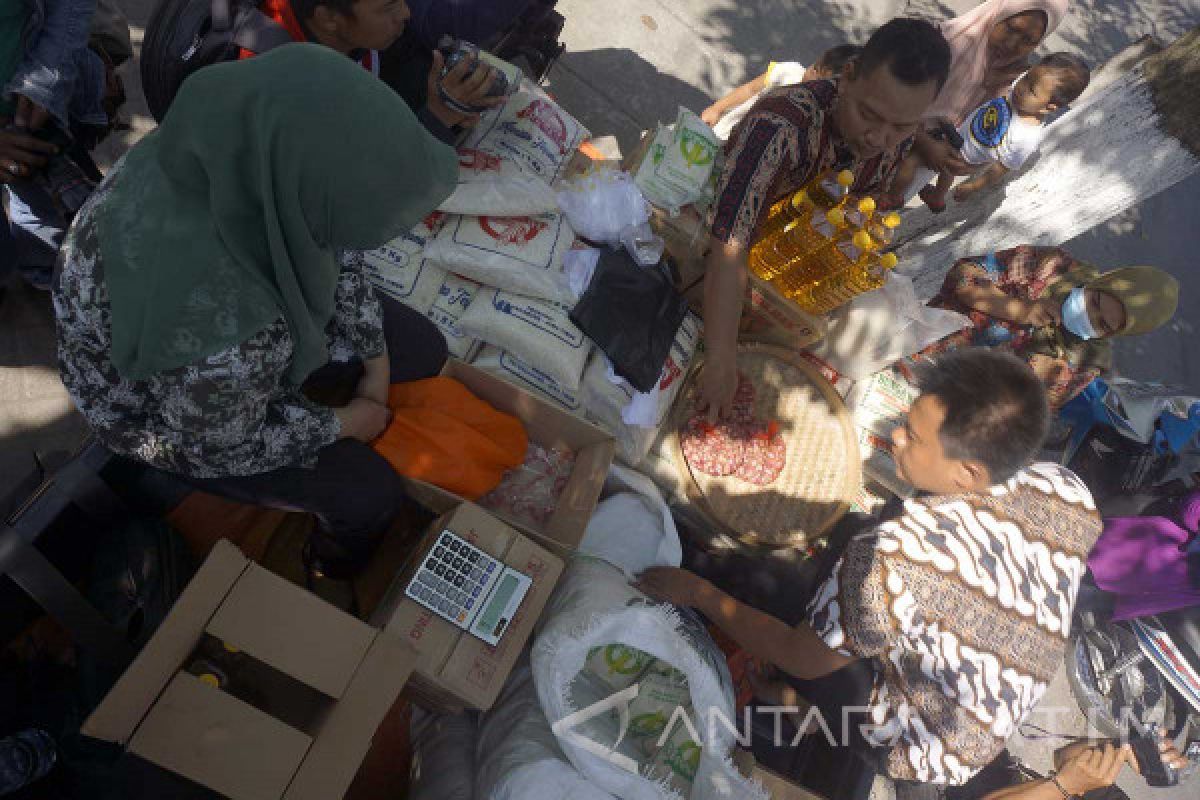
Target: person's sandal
928	196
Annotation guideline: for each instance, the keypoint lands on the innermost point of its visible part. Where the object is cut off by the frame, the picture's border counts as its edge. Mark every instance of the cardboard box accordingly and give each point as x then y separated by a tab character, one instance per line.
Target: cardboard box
551	427
769	317
456	670
331	678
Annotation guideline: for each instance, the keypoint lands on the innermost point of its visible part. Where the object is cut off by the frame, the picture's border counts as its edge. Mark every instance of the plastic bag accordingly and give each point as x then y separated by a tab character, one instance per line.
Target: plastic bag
515	370
453	299
632	527
529	492
517	254
879	328
400	268
632	313
443	766
602	204
489	185
679	164
594	606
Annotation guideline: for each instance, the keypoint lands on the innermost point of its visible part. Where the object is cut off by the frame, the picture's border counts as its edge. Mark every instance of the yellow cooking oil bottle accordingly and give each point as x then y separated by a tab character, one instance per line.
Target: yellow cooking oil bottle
833	228
794	224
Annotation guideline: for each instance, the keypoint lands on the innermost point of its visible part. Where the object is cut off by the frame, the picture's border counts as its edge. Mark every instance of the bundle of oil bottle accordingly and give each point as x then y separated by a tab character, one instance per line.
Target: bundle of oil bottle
820	250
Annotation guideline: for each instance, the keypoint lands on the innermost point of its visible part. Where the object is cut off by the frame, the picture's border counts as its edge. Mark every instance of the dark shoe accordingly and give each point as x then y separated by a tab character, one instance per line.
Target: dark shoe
330	580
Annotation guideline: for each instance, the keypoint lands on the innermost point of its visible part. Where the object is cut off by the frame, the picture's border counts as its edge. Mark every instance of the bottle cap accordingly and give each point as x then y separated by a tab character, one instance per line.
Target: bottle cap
867	205
845	177
836	216
210	679
800	198
891	220
229	648
863	241
888	260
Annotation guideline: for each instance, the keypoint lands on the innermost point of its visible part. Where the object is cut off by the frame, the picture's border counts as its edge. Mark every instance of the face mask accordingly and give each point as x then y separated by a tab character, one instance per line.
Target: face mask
1075	315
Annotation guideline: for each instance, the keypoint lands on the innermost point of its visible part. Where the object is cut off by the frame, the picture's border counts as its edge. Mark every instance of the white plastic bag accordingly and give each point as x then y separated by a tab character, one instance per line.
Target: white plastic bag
877	329
602	204
453	299
517	254
519	757
509	367
536	331
532	130
632	527
489	185
594	606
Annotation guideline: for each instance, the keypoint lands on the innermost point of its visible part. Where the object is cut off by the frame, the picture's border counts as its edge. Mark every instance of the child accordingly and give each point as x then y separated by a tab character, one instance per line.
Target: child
1002	133
724	115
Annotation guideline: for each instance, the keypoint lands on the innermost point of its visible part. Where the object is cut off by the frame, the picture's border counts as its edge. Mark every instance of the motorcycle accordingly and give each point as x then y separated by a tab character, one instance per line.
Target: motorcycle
1133	677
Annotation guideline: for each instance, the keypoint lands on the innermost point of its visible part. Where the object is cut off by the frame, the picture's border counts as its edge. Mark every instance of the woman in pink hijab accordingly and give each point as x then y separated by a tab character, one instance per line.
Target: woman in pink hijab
991	45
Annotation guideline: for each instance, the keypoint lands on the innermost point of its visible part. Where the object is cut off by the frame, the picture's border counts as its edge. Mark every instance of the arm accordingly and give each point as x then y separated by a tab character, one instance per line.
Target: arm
1062	381
46	77
356	330
725	282
986	179
1082	768
797	651
712	115
976	289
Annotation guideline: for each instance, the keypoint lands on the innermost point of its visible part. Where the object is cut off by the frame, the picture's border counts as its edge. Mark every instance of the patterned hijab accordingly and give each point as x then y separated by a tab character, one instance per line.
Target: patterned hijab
227	216
1149	295
967	35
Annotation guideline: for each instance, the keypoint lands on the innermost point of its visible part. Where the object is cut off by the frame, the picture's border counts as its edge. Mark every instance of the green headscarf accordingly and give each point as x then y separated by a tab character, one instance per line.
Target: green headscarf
229	214
1149	295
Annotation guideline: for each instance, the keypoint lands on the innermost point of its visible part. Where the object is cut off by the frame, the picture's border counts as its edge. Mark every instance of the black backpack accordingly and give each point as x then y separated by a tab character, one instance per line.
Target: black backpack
185	35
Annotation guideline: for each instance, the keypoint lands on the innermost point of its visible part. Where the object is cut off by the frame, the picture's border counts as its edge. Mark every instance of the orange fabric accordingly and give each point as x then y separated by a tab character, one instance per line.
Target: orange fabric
281	12
442	434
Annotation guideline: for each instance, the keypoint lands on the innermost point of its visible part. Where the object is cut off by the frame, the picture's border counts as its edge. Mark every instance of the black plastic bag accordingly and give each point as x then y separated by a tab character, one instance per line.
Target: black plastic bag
632	313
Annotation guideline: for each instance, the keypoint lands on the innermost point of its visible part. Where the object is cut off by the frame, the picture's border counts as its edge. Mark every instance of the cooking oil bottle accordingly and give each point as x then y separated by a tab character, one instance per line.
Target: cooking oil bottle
832	190
808	266
832	288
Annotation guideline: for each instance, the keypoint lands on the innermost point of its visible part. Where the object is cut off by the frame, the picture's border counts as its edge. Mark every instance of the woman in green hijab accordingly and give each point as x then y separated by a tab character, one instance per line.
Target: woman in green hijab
1057	313
200	288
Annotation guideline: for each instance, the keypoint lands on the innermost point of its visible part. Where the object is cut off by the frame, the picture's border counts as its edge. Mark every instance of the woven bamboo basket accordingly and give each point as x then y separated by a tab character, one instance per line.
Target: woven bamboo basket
823	472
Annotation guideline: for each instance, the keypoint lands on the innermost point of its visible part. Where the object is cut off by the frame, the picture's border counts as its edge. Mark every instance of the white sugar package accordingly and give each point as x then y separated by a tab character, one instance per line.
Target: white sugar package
494	186
533	131
400	268
523	255
536	331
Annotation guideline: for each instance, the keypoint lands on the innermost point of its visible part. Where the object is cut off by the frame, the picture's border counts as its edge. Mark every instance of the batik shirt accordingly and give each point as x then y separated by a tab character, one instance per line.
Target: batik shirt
964	602
785	142
230	414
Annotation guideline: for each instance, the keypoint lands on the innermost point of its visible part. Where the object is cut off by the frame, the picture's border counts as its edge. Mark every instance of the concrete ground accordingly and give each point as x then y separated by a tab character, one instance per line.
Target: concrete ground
631	63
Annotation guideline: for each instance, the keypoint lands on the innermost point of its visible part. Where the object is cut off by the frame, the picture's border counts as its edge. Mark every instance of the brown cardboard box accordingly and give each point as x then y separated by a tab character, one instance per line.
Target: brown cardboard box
769	317
550	427
455	670
326	678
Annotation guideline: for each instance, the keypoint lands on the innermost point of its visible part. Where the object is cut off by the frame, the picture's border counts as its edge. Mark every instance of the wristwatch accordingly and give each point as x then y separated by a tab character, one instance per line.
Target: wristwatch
1066	795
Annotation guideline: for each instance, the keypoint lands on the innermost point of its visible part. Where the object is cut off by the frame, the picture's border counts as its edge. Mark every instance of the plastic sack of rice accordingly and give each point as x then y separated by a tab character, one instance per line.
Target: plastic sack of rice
678	166
536	331
400	268
518	254
510	368
494	186
532	130
453	298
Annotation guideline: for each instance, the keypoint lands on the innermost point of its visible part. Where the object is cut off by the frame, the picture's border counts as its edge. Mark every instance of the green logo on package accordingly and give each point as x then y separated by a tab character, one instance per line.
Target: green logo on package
623	660
685	760
646	725
657	153
697	150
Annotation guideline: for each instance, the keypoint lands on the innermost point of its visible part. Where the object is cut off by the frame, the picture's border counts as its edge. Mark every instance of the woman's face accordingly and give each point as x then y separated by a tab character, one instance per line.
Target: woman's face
1105	311
1011	40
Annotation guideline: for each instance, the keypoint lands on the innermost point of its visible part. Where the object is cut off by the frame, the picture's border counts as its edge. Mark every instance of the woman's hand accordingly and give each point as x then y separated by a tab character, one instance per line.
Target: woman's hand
718	385
363	419
466	87
30	115
672	585
712	115
940	156
376	380
21	155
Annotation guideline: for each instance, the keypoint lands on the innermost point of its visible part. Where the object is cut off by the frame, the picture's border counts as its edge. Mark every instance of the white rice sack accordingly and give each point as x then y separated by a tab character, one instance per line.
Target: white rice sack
518	254
507	367
536	331
400	268
443	763
491	185
453	298
595	606
532	130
